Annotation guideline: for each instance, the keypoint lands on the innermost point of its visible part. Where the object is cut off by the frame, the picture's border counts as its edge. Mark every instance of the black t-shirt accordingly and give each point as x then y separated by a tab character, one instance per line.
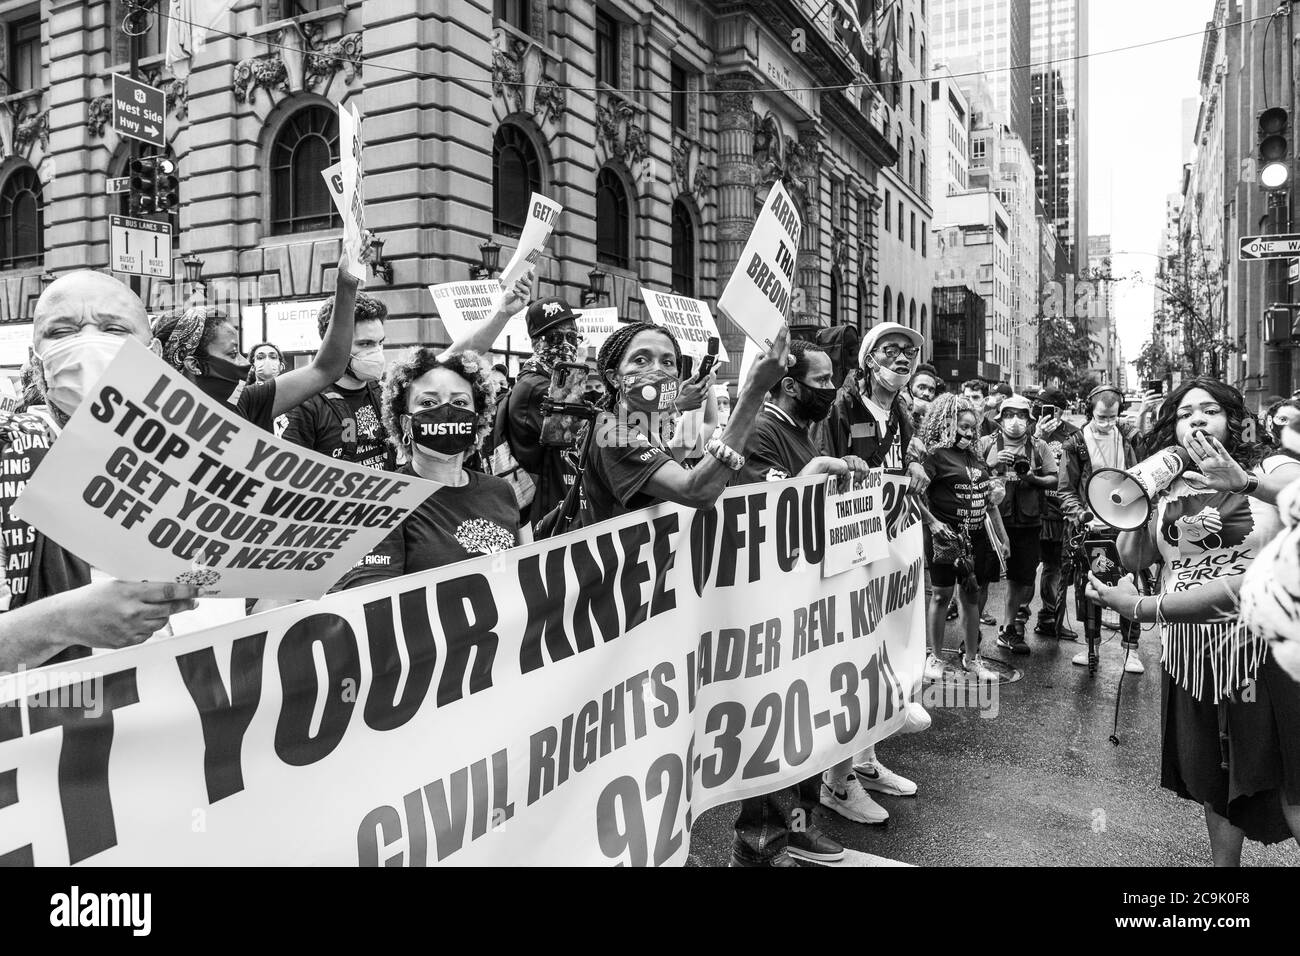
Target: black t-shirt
555	469
777	449
315	424
254	403
23	446
453	524
1052	497
621	461
959	486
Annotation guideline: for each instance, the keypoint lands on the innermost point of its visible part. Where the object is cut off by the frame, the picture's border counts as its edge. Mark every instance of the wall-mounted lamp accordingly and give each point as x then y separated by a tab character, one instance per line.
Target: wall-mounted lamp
490	254
595	290
378	267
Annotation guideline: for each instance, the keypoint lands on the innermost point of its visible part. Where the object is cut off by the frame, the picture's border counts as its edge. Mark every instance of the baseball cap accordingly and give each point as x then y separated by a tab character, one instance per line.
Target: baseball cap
878	332
1053	396
1002	388
1017	402
547	313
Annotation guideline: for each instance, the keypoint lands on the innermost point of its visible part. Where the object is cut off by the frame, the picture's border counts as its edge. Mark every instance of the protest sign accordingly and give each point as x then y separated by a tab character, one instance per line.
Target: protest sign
579	700
596	325
464	306
757	296
351	145
855	521
333	176
689	320
153	481
542	216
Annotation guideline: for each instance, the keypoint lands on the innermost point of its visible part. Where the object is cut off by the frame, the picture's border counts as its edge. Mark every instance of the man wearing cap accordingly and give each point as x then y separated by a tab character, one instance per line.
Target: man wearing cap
1027	468
553	328
1101	443
1054	430
998	394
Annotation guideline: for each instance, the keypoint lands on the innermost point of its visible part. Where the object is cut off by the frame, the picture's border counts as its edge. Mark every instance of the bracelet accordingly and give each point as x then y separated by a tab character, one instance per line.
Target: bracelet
1160	610
725	454
1252	482
1137	610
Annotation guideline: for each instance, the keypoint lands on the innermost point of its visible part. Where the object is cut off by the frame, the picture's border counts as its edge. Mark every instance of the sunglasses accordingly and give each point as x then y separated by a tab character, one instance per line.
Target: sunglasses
562	338
893	351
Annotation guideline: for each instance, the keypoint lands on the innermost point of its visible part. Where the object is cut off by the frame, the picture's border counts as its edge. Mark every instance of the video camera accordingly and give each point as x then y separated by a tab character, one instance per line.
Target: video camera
566	406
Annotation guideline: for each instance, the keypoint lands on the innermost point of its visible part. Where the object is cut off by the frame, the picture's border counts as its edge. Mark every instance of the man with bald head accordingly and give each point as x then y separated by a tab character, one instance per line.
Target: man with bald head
52	611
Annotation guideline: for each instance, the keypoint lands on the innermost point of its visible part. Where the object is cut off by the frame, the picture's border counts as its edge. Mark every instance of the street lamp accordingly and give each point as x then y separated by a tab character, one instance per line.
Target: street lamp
46	278
193	269
490	255
595	290
378	267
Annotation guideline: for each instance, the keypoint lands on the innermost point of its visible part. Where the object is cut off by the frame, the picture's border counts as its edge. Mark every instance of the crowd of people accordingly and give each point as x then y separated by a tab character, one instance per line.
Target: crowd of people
997	479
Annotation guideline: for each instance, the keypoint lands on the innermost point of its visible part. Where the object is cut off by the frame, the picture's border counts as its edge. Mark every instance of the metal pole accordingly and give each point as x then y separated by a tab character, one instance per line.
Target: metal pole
133	152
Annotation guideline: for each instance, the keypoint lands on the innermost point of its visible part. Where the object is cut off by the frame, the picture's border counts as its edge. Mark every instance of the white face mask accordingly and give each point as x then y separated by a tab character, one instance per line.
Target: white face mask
72	365
894	381
369	365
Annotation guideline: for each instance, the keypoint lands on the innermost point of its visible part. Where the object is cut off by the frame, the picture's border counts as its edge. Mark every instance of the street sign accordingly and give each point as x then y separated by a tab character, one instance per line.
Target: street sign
140	247
1293	272
1269	247
138	111
118	184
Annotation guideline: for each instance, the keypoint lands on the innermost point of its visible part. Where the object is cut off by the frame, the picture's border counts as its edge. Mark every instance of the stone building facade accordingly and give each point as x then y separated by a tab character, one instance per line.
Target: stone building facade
657	124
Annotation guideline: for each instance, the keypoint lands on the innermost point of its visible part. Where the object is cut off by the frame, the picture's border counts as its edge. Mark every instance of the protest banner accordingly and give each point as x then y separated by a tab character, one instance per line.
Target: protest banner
757	296
855	521
463	306
153	481
689	320
333	176
542	216
579	700
596	325
351	145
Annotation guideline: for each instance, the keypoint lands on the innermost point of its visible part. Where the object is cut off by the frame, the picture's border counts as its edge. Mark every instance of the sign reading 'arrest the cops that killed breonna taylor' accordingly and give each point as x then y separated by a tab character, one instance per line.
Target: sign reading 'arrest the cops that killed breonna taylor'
466	306
856	513
351	145
153	481
757	296
689	320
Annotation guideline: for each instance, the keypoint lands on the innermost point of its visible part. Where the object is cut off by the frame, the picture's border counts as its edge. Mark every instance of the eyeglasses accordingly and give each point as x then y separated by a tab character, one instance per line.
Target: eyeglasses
893	351
562	338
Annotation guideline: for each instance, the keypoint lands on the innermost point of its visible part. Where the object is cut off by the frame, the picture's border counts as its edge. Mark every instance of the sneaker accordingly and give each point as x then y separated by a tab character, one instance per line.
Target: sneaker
1016	636
1133	665
1065	634
852	802
1006	637
1022	613
933	668
1045	629
1080	659
812	844
782	859
988	619
979	670
917	720
876	776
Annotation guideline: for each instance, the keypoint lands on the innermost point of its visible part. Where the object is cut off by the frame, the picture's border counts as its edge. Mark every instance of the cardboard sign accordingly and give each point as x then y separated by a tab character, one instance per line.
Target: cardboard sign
542	216
333	176
855	522
463	306
757	296
351	145
689	320
596	325
152	480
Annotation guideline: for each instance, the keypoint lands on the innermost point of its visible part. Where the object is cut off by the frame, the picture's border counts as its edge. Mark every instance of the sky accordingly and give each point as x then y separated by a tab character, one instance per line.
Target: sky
1134	132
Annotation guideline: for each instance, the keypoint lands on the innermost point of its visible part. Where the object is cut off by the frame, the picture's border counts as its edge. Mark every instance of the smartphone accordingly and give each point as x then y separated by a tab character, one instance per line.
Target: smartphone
710	360
1103	560
1048	411
1156	385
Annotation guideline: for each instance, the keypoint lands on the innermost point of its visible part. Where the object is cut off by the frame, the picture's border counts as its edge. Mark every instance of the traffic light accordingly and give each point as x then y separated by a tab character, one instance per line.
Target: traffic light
1272	156
153	186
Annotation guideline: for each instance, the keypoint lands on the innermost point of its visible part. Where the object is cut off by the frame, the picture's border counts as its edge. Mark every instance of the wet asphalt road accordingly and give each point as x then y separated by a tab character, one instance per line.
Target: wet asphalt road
1037	784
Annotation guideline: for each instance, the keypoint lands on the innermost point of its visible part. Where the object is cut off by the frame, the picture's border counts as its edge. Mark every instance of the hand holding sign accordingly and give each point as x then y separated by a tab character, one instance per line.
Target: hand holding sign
355	236
771	367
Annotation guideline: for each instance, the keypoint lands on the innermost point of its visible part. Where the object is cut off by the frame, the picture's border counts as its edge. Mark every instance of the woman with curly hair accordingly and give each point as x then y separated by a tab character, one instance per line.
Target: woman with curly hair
1231	721
202	344
629	466
960	495
436	408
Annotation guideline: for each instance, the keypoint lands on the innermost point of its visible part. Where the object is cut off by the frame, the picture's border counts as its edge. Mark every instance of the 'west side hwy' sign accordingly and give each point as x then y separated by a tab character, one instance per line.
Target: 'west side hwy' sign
138	111
1269	247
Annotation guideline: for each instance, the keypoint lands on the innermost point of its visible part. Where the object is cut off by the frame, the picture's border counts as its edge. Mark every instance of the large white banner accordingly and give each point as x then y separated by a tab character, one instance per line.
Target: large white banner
581	700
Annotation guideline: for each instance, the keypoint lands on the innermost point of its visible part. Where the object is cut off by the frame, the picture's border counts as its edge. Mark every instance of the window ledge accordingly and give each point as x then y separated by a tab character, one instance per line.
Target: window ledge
517	34
291	238
21	95
336	12
159	60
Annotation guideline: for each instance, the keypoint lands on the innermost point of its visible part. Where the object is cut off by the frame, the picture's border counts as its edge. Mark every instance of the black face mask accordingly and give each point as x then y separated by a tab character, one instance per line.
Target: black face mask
446	429
816	403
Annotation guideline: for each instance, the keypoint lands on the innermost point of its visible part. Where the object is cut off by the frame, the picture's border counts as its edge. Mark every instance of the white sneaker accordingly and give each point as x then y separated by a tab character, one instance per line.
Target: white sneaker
1133	665
975	667
853	804
876	776
917	720
1080	659
933	668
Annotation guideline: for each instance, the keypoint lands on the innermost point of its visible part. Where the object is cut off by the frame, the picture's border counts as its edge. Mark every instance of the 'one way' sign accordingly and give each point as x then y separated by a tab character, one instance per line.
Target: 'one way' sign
1269	247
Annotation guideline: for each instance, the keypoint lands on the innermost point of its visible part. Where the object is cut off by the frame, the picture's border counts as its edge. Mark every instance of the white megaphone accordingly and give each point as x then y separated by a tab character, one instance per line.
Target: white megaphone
1123	499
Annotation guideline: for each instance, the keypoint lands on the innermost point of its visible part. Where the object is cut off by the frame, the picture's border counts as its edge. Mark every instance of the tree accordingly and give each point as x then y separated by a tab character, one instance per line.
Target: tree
1153	361
1066	352
1191	290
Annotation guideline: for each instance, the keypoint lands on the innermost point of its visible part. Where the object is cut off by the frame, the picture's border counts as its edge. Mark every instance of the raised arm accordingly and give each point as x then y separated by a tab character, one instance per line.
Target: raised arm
484	337
294	388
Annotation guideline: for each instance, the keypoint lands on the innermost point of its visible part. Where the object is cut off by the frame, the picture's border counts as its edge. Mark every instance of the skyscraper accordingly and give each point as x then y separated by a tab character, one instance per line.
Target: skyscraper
1059	84
992	37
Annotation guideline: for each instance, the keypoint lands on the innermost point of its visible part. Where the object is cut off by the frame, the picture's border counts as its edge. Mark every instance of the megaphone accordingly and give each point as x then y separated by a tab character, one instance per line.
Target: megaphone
1123	499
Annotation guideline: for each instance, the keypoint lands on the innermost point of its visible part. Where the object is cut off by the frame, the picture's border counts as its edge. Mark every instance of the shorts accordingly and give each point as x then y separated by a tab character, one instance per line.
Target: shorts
1022	563
943	574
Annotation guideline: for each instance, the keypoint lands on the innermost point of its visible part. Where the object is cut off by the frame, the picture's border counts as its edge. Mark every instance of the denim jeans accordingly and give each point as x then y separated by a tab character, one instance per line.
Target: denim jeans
1049	588
764	823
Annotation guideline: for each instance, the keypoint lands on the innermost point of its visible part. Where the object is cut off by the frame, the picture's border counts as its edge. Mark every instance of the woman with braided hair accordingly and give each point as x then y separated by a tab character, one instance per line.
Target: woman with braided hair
629	466
202	344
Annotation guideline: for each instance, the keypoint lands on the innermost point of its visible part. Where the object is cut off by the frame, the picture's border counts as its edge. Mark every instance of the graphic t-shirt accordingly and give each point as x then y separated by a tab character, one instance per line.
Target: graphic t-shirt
315	424
453	524
622	459
556	469
1054	443
21	452
959	487
877	427
777	449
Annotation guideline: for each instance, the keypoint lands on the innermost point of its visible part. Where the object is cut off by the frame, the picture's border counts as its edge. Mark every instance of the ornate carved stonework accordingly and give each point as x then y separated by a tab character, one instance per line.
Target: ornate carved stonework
177	97
267	71
324	57
32	129
686	164
98	114
617	128
839	251
520	80
769	149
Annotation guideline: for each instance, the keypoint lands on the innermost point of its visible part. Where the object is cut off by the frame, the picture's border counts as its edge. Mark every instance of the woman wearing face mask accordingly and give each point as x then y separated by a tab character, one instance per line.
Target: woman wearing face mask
266	363
1231	724
1279	415
437	409
629	467
203	345
958	552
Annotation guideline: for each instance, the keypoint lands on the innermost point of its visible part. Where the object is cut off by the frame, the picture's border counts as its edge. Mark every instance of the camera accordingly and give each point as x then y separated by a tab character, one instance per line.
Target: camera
566	406
1021	467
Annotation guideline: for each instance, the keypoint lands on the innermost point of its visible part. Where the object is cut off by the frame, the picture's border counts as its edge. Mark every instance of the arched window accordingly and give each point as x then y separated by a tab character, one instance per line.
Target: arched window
889	306
925	183
516	175
22	220
300	200
911	315
923	330
613	220
911	38
683	250
835	299
862	305
902	307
